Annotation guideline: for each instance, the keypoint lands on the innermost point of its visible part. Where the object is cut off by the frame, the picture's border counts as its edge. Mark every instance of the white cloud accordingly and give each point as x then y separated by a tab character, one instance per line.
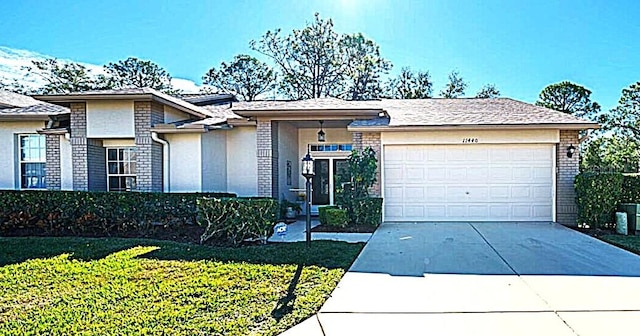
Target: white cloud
12	62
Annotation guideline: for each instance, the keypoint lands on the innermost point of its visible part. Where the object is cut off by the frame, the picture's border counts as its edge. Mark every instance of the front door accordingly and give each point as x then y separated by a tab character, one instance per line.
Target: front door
323	183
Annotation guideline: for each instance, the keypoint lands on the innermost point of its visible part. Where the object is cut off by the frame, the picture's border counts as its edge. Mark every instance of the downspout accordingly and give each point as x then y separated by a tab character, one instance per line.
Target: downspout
165	161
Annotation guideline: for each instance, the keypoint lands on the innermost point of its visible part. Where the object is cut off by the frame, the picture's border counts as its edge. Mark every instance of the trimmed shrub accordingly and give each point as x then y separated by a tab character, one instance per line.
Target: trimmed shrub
630	189
597	195
234	220
322	213
337	217
367	211
95	213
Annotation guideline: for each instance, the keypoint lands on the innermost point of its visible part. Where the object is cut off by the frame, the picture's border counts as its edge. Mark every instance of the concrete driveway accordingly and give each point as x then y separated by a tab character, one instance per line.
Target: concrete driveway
485	279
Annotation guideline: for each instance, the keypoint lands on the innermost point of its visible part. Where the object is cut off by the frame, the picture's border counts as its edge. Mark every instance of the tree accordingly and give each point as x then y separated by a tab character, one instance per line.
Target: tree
569	98
625	118
364	65
410	85
15	86
245	76
317	62
488	91
455	88
62	77
136	73
611	153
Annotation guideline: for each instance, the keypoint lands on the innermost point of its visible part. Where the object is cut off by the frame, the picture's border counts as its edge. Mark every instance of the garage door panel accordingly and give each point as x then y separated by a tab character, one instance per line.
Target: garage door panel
468	182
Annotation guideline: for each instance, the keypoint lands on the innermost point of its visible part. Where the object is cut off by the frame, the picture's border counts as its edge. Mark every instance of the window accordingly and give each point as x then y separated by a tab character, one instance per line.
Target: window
121	169
33	158
332	148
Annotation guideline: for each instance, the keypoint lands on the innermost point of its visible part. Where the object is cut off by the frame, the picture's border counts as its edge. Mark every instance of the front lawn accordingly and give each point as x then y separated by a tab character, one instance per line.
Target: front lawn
629	243
102	286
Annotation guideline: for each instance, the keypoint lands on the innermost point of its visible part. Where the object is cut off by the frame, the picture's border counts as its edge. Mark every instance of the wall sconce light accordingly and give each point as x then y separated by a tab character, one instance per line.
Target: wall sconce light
321	135
570	151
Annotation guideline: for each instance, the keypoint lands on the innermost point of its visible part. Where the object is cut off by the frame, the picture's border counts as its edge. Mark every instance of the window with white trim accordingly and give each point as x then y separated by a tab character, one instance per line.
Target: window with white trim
121	168
33	159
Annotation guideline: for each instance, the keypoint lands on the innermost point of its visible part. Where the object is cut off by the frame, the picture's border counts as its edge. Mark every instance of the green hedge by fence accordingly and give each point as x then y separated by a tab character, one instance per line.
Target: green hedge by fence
597	196
630	188
234	220
367	211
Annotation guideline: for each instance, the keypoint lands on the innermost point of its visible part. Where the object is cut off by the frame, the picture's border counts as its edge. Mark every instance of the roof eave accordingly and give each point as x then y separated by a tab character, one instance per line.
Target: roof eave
25	117
117	96
308	113
573	126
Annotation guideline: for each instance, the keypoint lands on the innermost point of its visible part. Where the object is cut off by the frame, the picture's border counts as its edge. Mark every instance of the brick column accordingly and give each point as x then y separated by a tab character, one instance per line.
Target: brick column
372	139
267	152
567	169
78	139
52	176
148	152
357	140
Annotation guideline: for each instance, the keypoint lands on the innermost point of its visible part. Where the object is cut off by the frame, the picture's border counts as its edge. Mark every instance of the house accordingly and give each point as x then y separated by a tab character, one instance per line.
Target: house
460	159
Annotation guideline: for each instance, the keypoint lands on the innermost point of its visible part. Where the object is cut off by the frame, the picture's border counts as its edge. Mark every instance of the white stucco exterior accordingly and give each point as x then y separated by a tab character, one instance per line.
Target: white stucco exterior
110	119
477	136
9	131
66	164
288	160
242	165
171	115
214	161
185	159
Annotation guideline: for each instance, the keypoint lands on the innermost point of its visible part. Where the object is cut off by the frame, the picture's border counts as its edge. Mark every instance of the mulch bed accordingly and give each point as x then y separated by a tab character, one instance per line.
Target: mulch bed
348	229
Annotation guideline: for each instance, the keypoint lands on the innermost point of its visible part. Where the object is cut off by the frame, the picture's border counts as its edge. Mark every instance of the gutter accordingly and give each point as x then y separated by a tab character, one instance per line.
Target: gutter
580	126
165	161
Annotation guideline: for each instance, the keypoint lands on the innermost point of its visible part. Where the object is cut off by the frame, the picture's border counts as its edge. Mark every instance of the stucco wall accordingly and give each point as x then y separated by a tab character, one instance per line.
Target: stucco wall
66	164
214	161
483	137
110	119
288	151
242	165
185	173
9	170
307	136
171	114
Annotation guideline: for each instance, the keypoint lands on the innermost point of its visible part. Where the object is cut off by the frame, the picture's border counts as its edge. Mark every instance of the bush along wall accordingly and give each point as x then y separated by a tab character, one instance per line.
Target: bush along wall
367	211
58	213
597	196
235	220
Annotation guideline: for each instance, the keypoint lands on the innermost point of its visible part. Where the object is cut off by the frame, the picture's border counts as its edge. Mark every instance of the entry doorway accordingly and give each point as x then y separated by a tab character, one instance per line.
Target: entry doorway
323	184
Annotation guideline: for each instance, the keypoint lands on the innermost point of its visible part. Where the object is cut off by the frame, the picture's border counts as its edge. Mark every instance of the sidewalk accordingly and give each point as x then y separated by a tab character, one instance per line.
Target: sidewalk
296	233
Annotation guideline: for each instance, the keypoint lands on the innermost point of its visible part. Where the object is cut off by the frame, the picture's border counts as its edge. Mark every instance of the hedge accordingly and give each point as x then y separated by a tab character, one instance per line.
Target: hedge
234	220
336	217
367	211
630	189
95	213
322	213
597	196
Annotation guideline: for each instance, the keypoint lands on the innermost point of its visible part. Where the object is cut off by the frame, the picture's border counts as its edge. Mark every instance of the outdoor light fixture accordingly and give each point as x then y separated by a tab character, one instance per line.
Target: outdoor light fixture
570	151
321	135
308	173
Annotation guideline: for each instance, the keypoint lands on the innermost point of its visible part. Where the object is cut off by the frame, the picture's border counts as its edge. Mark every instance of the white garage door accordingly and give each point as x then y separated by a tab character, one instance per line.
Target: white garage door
468	182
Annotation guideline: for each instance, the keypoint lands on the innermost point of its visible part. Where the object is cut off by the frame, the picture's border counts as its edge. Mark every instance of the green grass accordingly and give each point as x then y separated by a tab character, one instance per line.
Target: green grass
629	243
100	286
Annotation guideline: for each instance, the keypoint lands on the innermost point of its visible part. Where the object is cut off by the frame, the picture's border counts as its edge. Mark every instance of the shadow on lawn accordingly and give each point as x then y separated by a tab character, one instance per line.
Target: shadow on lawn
322	253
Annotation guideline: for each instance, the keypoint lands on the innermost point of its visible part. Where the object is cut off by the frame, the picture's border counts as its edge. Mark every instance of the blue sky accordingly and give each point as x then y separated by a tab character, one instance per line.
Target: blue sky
521	46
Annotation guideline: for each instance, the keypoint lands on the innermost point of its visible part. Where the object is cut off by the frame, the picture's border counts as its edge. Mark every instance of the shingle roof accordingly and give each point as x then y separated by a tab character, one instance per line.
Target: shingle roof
43	109
12	99
469	111
413	112
99	94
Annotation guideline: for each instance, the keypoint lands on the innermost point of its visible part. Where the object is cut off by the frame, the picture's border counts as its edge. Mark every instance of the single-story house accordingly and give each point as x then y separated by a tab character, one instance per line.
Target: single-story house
462	159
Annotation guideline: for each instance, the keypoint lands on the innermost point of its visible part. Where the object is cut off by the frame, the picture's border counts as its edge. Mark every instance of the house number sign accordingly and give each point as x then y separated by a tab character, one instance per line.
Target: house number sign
470	140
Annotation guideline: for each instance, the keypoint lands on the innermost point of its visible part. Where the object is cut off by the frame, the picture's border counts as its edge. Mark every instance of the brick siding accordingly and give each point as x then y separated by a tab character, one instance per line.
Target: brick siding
267	152
78	138
53	174
567	169
372	139
148	152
